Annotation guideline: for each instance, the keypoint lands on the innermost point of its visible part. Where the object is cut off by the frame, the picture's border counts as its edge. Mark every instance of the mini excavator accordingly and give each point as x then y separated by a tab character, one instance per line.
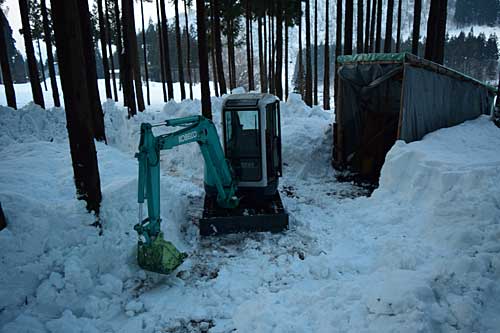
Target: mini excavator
240	178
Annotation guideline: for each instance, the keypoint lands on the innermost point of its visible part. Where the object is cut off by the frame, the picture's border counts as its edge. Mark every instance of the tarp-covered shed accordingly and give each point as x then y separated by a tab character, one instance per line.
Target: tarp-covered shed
387	97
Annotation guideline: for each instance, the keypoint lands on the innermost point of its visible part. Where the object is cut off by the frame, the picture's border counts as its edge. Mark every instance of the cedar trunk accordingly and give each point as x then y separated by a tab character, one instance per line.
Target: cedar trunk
110	50
119	49
279	52
36	89
218	48
180	67
338	47
71	60
188	51
359	37
326	73
367	27
378	38
436	30
6	75
308	93
261	56
206	107
417	12
104	50
166	51
50	55
162	56
315	52
145	55
90	69
248	45
372	27
398	36
126	70
348	31
388	27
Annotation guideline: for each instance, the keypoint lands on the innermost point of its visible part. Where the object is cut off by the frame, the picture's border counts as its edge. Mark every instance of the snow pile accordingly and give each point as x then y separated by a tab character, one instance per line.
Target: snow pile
421	254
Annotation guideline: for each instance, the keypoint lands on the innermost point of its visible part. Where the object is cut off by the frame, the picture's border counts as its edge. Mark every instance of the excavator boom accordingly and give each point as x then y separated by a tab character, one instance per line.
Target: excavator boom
155	253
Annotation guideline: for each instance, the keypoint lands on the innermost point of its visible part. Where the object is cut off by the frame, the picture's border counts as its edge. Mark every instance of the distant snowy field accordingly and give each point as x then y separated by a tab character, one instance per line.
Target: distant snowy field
421	254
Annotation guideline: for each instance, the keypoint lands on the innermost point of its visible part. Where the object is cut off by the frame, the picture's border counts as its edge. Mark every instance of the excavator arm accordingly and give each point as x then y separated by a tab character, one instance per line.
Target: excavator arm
155	253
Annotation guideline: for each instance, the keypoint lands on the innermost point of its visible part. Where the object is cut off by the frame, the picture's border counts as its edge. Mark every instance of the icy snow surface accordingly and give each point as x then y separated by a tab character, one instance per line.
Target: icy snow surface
421	254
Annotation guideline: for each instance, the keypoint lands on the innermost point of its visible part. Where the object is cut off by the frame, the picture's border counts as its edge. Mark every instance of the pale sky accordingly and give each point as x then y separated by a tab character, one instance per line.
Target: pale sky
11	9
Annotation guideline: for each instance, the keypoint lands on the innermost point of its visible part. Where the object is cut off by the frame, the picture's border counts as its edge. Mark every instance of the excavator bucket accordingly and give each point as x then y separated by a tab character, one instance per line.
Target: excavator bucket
159	256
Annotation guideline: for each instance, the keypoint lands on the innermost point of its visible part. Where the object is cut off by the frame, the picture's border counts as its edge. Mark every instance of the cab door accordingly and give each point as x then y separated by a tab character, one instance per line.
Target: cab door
273	142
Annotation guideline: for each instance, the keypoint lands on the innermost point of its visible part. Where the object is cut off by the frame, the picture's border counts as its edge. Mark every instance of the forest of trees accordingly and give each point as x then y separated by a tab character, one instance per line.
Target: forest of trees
484	12
232	43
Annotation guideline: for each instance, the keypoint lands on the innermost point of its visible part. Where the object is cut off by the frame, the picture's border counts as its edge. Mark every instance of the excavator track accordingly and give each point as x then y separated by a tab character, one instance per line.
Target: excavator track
252	215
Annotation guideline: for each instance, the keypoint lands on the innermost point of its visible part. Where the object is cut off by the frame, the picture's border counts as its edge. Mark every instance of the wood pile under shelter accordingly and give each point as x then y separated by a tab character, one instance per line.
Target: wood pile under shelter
387	97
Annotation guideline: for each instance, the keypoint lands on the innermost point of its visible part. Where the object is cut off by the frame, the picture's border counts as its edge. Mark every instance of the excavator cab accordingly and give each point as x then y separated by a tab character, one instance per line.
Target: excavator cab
251	135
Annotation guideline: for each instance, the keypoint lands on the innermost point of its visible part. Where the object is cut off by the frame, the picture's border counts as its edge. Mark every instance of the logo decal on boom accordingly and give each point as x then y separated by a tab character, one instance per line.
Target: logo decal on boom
187	136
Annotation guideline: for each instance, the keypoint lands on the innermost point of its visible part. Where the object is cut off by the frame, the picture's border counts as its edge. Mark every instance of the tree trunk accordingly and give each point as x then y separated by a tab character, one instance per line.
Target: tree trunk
188	51
162	56
90	69
279	52
36	89
166	51
50	56
127	77
378	38
348	31
218	47
71	61
388	27
264	72
10	93
286	62
359	37
214	69
338	48
249	49
144	54
119	48
104	50
231	56
135	58
300	72
261	56
326	70
206	107
367	27
417	12
180	66
42	69
436	31
110	50
398	36
315	83
271	54
308	93
372	27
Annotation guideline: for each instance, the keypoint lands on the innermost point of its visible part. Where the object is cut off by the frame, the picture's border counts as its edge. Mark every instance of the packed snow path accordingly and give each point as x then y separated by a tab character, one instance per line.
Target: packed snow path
421	254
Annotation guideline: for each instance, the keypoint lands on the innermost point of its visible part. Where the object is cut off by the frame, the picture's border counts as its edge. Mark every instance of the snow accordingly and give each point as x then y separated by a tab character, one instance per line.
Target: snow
421	253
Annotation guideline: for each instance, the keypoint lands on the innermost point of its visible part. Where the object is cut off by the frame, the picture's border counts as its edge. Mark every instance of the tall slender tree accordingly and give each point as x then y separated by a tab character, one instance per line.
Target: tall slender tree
166	51
104	50
372	26
308	88
110	49
180	67
348	31
359	36
338	48
378	37
162	56
388	27
300	75
206	106
71	61
315	83
398	36
279	51
366	48
417	12
266	86
436	30
131	30
188	48
36	89
286	60
4	62
248	19
119	49
47	33
127	78
326	71
91	72
218	47
145	55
